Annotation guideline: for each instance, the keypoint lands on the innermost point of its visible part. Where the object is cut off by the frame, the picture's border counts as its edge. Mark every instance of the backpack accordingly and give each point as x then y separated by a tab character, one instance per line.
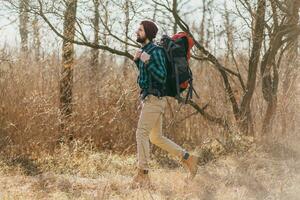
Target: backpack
179	75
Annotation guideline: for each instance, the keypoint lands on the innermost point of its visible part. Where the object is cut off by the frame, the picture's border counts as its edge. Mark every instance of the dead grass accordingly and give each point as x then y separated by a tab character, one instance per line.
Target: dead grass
100	161
260	173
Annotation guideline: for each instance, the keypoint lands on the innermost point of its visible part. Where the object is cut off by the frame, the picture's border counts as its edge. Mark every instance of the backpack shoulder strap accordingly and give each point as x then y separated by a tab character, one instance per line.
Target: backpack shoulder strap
152	49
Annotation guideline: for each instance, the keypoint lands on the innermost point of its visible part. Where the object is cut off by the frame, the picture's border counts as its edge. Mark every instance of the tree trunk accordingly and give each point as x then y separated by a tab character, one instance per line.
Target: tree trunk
127	21
66	80
269	116
175	7
229	35
202	24
23	28
270	83
95	52
36	38
245	109
293	64
103	54
154	13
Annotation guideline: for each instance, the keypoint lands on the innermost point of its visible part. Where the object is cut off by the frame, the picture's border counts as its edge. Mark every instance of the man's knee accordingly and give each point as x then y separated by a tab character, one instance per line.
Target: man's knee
155	138
141	132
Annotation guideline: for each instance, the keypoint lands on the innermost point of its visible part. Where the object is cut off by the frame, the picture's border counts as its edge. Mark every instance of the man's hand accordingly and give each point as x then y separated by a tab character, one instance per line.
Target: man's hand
137	54
145	57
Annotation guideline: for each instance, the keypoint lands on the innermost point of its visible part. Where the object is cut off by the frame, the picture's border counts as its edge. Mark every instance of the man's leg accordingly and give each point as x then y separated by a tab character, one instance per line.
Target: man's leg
151	110
150	124
157	138
149	115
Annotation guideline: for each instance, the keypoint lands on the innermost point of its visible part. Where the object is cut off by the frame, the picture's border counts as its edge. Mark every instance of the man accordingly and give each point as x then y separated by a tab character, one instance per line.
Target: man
151	79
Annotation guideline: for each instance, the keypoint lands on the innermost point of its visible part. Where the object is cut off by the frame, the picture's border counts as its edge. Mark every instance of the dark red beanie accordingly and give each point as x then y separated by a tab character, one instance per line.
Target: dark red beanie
150	29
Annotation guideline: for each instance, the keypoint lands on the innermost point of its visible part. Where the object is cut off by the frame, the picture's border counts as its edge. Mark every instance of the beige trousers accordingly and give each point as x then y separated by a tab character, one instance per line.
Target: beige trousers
150	127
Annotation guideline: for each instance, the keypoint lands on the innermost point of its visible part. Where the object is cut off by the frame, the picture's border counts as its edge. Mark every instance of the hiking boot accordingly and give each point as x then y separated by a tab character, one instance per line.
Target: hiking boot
190	163
141	179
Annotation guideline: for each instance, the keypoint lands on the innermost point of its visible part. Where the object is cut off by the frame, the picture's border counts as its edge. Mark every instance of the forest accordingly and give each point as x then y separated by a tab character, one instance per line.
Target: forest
70	106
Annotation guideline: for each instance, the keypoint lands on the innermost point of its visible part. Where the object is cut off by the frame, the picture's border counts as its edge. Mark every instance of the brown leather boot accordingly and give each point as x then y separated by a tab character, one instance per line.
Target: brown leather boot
141	179
190	162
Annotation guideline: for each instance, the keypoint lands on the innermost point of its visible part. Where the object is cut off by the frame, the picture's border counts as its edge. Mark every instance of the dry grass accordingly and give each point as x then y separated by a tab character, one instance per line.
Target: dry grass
264	172
106	107
100	161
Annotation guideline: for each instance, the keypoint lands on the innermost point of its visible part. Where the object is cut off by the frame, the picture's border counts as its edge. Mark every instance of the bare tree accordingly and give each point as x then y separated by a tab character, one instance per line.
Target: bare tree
280	34
105	17
116	42
241	113
292	55
24	20
36	37
175	7
127	21
258	31
229	35
96	23
66	80
203	21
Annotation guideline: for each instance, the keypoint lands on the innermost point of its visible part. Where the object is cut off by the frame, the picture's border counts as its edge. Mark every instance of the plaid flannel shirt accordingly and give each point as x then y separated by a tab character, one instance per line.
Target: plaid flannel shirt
155	69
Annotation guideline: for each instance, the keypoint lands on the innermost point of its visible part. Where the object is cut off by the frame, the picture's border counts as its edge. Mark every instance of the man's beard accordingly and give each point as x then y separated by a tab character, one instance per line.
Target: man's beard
140	39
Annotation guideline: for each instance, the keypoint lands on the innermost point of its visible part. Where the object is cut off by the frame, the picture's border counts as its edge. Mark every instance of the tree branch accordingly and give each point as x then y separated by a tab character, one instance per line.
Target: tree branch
213	60
84	43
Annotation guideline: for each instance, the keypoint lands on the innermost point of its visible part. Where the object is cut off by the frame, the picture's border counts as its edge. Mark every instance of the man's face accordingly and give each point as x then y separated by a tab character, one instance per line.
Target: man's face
140	34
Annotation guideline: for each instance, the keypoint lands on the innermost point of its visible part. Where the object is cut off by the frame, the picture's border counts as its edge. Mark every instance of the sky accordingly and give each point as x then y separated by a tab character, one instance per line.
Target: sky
9	33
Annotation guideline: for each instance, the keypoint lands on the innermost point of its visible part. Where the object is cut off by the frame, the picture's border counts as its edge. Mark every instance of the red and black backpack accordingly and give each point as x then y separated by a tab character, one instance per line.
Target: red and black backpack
179	75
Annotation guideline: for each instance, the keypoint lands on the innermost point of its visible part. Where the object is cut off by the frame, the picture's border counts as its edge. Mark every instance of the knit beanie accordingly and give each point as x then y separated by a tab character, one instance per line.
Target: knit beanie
150	29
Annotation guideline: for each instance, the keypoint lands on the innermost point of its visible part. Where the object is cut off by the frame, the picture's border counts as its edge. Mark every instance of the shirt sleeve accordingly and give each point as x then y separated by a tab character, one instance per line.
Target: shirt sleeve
137	63
157	66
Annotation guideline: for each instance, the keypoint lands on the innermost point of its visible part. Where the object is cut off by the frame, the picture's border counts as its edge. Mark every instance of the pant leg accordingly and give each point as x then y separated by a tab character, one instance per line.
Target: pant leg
151	110
157	138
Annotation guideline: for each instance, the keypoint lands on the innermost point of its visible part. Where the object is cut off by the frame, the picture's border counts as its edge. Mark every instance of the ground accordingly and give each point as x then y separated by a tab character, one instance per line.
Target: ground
270	172
264	172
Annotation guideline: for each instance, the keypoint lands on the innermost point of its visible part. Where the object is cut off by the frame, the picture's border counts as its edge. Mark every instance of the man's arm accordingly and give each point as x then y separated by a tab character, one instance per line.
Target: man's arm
137	63
157	66
136	57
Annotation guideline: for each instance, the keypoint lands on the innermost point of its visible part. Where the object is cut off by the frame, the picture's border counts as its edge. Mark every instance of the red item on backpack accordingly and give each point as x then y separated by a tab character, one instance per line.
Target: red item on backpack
188	55
184	84
190	42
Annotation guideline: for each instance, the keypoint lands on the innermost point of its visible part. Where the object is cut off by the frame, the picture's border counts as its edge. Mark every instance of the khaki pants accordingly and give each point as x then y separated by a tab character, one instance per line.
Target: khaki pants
150	127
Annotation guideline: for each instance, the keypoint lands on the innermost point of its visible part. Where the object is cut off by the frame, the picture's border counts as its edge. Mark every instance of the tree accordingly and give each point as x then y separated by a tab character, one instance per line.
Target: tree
292	54
241	108
96	23
258	31
66	80
24	20
283	33
241	113
127	21
36	37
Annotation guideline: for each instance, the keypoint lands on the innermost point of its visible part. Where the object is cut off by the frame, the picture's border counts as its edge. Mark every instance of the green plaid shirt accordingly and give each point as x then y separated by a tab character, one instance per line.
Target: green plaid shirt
155	69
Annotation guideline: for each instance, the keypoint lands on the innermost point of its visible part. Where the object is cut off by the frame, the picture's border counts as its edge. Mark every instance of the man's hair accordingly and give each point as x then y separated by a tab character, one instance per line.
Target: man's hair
150	29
